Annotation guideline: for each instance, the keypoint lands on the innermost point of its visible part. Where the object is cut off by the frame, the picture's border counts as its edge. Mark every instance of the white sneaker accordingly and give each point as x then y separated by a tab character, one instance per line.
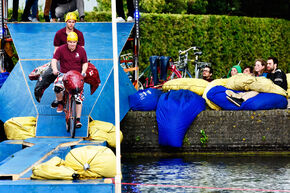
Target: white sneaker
34	20
130	19
233	94
30	18
120	19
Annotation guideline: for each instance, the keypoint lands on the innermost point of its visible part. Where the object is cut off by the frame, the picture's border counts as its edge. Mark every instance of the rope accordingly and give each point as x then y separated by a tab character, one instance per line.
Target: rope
201	187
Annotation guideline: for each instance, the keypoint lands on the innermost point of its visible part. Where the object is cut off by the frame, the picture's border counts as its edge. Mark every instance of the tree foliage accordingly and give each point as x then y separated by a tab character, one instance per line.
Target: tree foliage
225	40
252	8
104	5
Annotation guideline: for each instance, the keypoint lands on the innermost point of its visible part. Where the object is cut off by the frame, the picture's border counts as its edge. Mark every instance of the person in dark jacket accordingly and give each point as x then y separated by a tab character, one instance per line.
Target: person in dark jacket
275	74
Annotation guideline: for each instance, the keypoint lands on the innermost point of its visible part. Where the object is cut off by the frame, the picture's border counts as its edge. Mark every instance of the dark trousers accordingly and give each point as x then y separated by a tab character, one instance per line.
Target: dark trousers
15	9
120	8
26	11
159	63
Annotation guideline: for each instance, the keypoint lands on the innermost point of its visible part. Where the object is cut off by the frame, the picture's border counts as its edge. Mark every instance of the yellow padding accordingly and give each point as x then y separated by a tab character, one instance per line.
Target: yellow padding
193	84
20	127
104	131
216	82
240	81
288	84
92	161
260	84
53	169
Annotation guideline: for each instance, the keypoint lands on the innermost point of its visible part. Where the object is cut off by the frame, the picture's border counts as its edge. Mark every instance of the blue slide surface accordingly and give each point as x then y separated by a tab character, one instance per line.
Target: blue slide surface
34	45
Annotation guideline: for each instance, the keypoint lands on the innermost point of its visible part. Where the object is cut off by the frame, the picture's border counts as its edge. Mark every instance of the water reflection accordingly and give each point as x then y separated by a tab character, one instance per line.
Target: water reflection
230	174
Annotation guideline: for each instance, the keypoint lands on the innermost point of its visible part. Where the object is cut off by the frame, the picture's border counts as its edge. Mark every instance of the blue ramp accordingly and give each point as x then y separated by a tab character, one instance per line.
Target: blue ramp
34	45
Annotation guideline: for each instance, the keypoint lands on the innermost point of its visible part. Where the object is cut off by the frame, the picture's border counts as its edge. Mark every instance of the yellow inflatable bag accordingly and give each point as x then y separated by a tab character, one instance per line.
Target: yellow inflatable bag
104	131
53	169
240	81
216	82
92	161
263	84
20	127
193	84
244	82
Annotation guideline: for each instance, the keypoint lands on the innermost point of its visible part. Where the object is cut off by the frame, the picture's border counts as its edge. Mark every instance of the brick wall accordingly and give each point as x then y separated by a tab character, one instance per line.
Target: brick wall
226	131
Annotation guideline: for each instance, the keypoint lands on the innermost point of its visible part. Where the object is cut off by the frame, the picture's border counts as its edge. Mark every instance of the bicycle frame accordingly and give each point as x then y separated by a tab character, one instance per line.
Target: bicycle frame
73	82
182	64
173	73
70	113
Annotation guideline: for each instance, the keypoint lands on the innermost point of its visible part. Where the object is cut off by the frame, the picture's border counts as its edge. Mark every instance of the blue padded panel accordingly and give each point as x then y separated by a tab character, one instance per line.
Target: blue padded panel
35	40
54	125
15	97
34	43
104	107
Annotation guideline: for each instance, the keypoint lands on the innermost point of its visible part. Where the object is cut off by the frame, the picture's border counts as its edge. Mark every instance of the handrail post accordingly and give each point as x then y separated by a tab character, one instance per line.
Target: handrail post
118	188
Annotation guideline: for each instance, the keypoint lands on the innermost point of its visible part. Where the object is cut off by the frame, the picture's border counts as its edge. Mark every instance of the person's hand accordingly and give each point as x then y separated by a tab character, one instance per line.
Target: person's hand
55	72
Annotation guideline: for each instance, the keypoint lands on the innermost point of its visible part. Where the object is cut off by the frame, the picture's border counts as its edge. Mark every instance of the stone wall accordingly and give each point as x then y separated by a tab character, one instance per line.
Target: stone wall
227	131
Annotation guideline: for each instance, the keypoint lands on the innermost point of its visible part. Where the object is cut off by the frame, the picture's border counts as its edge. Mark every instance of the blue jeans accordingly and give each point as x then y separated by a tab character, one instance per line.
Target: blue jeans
34	9
159	62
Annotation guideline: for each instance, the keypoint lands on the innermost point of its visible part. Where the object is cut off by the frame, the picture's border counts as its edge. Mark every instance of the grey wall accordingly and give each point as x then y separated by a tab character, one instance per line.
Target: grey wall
226	131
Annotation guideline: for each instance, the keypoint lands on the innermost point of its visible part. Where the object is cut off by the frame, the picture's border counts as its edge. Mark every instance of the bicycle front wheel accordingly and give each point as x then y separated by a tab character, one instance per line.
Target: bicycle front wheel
186	74
72	119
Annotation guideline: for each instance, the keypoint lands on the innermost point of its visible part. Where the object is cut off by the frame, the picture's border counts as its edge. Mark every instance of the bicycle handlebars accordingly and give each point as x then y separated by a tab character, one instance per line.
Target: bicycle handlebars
194	48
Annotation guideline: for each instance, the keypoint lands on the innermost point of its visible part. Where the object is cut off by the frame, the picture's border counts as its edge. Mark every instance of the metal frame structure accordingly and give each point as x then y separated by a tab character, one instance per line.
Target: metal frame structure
136	39
3	31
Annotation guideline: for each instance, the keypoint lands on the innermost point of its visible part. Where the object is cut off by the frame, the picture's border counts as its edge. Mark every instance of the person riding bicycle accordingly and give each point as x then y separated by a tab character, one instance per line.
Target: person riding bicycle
61	35
71	57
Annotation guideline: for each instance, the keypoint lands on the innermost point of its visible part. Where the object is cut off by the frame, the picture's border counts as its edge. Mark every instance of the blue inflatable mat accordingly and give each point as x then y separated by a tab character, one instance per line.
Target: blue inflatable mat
3	77
262	101
145	100
175	112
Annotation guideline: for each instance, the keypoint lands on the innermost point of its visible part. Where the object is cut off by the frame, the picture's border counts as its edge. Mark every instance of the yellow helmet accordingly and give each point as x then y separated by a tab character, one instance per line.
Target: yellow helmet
72	36
70	15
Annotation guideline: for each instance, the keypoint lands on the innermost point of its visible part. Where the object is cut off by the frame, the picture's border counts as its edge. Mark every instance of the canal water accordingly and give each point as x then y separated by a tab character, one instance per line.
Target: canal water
213	174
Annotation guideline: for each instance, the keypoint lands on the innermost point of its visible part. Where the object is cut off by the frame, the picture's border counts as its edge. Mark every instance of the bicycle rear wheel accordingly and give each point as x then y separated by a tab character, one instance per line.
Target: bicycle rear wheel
67	112
186	74
71	116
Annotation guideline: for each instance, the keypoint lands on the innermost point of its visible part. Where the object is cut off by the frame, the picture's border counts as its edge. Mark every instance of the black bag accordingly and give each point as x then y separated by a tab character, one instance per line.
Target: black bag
43	83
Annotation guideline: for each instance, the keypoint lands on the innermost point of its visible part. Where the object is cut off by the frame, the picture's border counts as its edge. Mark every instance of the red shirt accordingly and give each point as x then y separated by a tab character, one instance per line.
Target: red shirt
60	37
70	60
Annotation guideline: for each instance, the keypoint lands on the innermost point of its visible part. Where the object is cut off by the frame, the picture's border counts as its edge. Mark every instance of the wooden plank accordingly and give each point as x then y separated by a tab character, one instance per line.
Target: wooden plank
25	159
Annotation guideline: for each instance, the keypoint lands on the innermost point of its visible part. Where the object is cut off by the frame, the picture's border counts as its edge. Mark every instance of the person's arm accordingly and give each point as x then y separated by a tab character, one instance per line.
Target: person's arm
56	40
54	66
280	79
55	48
85	63
81	41
84	69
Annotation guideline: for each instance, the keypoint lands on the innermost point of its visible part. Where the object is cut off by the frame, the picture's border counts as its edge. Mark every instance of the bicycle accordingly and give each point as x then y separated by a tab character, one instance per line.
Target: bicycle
183	60
146	80
74	83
